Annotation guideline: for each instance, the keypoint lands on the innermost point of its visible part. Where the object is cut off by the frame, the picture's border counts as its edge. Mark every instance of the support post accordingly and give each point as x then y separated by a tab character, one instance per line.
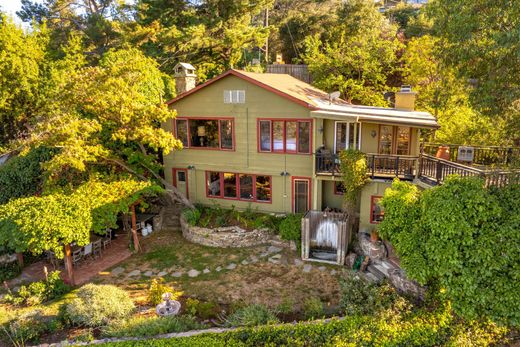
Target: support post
68	265
134	229
19	257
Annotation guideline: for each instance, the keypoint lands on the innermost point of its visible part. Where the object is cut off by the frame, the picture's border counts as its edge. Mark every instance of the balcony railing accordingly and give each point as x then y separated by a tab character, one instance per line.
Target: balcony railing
483	155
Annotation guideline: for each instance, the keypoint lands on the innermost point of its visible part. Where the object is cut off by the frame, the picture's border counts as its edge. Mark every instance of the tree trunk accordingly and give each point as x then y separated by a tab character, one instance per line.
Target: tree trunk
19	257
68	265
134	229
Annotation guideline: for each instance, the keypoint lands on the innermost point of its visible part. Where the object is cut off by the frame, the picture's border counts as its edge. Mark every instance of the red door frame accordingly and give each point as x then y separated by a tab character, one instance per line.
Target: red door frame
293	181
174	174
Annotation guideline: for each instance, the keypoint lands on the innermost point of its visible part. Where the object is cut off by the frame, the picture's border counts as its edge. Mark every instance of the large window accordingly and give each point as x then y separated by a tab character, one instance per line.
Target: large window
245	187
394	140
377	211
284	136
205	133
348	135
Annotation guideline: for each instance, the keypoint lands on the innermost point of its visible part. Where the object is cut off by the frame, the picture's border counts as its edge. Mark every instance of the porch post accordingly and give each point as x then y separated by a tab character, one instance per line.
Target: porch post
68	265
134	229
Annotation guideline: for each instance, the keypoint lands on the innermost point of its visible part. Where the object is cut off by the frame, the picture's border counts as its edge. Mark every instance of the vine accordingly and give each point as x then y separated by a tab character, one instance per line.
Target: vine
353	166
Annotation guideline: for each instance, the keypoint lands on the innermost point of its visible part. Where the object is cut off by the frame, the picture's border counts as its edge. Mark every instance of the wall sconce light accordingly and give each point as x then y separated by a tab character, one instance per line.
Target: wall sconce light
373	133
284	173
191	167
320	130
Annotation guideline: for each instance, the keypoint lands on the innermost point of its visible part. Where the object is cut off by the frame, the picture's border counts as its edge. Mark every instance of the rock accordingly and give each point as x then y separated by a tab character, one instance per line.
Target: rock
177	274
292	246
162	274
274	261
333	272
134	273
307	268
298	262
322	268
399	280
263	255
148	273
193	273
244	262
117	271
276	256
231	266
375	250
253	258
350	260
218	269
273	249
206	271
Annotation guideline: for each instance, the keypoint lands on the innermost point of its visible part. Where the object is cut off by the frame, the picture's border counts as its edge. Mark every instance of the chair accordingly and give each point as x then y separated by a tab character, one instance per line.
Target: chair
51	257
106	241
77	255
87	251
96	248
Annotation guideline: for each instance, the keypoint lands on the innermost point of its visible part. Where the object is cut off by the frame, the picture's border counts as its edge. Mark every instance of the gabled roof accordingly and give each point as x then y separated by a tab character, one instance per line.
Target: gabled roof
318	102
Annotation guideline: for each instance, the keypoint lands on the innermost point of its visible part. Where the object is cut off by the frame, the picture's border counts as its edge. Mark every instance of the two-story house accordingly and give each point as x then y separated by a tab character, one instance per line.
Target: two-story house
269	142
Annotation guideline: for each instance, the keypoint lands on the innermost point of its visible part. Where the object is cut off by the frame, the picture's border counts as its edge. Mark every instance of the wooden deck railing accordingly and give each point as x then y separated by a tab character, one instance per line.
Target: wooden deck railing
483	155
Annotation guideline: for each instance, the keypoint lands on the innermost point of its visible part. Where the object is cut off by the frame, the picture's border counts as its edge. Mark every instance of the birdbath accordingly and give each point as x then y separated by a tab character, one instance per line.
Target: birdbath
168	307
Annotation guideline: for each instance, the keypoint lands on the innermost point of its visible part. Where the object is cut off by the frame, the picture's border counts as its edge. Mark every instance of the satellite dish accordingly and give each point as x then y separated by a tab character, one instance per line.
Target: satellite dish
334	95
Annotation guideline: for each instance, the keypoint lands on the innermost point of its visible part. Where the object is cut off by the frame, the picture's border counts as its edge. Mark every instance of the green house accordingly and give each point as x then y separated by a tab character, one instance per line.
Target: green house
269	142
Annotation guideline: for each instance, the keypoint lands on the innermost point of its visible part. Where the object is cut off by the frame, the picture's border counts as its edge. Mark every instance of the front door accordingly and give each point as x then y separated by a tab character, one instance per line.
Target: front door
301	194
180	180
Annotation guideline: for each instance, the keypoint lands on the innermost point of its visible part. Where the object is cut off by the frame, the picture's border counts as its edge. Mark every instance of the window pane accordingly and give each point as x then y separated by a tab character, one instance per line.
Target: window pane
278	136
351	135
301	196
230	185
182	131
181	176
214	184
265	135
304	137
341	136
204	133
385	139
339	188
246	187
263	188
226	134
403	140
290	136
378	211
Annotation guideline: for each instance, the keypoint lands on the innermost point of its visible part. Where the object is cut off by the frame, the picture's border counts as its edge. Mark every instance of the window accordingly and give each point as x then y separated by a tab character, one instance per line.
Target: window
244	187
339	189
347	136
301	194
377	211
284	136
205	133
234	96
394	140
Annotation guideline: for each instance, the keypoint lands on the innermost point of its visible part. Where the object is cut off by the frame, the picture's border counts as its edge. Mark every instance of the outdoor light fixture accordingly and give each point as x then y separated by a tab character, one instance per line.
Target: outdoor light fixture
284	173
191	167
373	133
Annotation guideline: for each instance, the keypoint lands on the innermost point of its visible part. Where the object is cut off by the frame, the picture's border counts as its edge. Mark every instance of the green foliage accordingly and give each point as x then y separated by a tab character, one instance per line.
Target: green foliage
463	238
251	315
146	326
192	215
9	271
157	289
98	305
27	327
201	309
353	166
290	227
40	291
313	308
22	175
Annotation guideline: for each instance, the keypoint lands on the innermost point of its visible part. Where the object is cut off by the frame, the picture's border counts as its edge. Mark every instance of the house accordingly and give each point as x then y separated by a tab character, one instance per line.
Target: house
269	141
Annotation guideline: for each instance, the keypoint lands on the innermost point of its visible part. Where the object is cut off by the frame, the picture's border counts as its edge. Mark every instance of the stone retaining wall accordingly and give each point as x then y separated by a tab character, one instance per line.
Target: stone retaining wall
224	237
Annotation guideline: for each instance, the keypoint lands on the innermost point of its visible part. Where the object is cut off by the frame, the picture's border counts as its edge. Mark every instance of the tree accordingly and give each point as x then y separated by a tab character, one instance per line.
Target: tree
480	40
360	57
462	238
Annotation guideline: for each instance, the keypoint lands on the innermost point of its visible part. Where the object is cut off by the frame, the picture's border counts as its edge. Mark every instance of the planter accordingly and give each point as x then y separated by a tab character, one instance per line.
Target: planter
374	237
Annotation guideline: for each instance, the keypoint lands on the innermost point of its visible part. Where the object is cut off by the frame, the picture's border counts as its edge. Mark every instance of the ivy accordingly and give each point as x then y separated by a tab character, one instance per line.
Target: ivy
462	238
353	166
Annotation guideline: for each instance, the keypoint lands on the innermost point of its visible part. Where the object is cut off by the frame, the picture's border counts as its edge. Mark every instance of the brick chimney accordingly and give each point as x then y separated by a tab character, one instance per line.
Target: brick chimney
405	99
185	77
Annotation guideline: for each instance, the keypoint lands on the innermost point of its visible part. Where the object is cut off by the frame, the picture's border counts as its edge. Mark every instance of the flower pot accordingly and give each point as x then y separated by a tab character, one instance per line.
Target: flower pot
443	153
373	236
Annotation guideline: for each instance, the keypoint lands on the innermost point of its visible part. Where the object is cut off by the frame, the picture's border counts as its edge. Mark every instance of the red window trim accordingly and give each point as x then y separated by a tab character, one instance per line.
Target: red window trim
293	181
336	191
218	119
372	203
237	180
174	176
285	120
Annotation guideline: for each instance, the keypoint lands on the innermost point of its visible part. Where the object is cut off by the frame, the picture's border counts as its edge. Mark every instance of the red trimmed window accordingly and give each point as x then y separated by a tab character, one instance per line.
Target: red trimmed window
339	189
246	187
211	133
284	136
377	212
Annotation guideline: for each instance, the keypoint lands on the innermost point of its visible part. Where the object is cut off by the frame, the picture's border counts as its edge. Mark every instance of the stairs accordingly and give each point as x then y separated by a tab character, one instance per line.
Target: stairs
379	271
171	217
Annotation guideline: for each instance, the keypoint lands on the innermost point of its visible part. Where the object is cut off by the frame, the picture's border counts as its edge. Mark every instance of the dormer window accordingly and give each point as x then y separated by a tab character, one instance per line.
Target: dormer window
234	96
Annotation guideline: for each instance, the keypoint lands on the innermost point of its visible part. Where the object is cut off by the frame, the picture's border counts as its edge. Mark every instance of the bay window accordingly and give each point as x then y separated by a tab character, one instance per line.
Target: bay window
211	133
284	136
246	187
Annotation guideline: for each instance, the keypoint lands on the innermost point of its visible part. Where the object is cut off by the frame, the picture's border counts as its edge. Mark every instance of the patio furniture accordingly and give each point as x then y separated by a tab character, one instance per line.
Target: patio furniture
77	255
51	257
87	251
96	248
106	241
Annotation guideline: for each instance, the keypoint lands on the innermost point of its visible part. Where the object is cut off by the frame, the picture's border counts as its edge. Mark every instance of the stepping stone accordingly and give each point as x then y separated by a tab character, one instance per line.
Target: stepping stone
244	262
193	273
273	249
206	271
307	268
253	258
298	262
274	261
177	274
333	272
162	274
148	273
134	273
322	268
263	255
231	266
117	271
276	256
218	269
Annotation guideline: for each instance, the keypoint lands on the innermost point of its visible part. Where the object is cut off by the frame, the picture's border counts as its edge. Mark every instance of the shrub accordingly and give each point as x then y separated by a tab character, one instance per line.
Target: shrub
252	315
142	327
9	271
286	306
360	297
157	289
192	216
37	292
204	310
313	308
98	305
290	227
27	327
